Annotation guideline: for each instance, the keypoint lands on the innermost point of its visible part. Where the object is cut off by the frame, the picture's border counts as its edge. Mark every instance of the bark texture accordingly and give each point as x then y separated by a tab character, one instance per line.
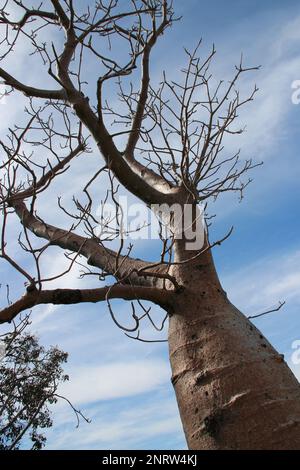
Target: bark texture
234	390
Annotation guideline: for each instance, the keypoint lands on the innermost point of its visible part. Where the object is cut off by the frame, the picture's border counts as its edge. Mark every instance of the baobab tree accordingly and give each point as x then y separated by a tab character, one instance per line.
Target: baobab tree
164	143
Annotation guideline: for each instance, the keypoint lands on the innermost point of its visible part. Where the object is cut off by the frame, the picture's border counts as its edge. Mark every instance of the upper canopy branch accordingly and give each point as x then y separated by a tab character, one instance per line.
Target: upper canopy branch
29	14
31	91
136	177
186	126
139	114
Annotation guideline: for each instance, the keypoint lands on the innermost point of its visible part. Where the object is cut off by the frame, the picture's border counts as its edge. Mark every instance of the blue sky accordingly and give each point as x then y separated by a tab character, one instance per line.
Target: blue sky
122	385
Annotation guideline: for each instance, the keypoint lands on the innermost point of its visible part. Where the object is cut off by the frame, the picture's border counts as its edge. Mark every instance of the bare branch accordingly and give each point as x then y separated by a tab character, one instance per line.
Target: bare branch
31	91
35	297
281	304
97	255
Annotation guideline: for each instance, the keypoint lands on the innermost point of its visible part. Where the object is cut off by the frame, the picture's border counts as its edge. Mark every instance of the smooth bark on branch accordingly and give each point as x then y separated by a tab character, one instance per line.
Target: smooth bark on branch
31	91
99	256
33	297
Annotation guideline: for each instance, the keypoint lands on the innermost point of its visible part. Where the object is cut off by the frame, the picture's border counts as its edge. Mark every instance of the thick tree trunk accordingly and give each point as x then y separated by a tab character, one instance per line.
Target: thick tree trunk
234	391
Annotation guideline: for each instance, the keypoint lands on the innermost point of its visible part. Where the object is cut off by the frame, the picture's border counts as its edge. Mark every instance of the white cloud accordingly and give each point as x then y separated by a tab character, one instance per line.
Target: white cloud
114	380
266	281
287	286
128	427
265	118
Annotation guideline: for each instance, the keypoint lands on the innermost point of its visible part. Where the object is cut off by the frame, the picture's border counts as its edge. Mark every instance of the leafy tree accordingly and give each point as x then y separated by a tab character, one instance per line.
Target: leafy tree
29	378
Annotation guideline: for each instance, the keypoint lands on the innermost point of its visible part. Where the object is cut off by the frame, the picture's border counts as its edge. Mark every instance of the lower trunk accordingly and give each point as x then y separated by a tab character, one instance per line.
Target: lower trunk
234	391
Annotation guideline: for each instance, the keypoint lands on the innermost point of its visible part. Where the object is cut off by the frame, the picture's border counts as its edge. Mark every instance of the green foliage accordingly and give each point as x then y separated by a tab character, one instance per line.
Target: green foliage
29	378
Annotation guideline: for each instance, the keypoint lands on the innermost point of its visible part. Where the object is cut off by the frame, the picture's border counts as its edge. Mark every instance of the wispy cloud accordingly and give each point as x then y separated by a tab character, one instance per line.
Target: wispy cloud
259	287
266	118
115	380
264	282
149	422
